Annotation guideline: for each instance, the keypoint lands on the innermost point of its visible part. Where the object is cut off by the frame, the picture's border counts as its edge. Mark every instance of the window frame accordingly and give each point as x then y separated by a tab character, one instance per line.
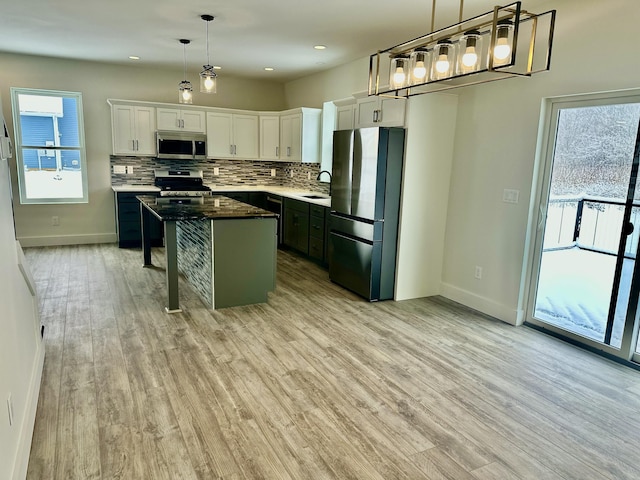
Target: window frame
81	148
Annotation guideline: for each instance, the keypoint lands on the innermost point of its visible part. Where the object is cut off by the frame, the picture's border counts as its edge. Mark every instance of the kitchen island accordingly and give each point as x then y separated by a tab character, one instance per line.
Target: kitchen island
226	249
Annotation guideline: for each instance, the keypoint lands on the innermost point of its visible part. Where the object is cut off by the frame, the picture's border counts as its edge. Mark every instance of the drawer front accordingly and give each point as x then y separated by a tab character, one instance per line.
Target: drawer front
128	231
239	196
316	227
317	210
298	205
129	211
316	248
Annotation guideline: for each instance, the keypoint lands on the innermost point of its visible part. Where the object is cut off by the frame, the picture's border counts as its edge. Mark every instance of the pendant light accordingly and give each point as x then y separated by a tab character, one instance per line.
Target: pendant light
185	90
208	78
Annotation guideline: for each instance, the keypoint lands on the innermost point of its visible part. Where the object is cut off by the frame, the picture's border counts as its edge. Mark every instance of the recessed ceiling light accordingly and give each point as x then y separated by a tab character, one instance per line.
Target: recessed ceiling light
319	47
134	57
217	67
269	69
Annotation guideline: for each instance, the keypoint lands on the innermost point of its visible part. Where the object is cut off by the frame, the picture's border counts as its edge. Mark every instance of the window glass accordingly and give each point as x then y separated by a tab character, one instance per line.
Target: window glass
50	149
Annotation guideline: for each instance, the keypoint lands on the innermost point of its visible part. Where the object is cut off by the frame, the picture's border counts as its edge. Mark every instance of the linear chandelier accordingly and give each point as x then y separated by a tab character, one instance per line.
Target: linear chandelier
503	43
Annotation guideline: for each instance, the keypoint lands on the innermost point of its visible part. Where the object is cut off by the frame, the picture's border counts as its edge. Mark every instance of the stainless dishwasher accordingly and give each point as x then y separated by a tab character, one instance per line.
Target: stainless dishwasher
274	204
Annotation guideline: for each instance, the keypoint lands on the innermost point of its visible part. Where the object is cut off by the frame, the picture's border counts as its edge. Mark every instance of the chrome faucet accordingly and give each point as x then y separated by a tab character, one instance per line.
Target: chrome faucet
330	178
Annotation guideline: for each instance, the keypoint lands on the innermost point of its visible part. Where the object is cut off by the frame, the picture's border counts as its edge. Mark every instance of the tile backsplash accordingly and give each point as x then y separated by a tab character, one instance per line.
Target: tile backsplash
230	172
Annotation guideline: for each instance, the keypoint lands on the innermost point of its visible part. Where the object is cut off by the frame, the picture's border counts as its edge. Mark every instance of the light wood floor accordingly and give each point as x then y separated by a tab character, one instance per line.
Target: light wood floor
316	384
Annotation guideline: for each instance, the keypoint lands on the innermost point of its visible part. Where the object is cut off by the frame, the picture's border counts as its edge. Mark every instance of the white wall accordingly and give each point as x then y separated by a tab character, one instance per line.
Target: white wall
95	221
21	349
495	143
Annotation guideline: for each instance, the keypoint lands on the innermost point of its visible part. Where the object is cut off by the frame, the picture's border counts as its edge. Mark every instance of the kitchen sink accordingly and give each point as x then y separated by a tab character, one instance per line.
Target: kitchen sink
315	197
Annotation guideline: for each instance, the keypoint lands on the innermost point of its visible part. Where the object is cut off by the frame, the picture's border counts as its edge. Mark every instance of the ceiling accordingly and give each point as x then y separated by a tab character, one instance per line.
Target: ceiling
245	37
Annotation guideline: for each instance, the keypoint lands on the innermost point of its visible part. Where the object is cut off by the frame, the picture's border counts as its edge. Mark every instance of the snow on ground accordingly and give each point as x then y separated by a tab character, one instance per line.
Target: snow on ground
574	290
53	184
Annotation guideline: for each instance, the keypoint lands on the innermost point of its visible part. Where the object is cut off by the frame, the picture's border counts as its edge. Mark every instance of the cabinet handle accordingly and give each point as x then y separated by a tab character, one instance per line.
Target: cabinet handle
277	151
133	145
137	146
231	149
288	151
235	149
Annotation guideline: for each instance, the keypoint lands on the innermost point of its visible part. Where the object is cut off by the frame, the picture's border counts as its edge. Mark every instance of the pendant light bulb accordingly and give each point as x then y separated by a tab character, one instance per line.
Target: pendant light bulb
208	78
399	71
185	90
502	49
442	64
420	71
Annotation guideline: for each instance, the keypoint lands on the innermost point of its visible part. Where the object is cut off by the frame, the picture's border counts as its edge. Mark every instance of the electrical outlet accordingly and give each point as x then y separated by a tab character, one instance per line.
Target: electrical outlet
129	169
55	221
119	169
273	172
308	175
216	171
216	202
478	272
10	409
291	174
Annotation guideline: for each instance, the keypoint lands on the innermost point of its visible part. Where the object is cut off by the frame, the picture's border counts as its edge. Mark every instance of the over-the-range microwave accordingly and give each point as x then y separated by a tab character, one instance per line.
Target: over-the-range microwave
181	145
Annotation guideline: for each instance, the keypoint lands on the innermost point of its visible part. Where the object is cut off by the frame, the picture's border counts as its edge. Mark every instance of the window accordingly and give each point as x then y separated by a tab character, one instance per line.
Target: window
50	148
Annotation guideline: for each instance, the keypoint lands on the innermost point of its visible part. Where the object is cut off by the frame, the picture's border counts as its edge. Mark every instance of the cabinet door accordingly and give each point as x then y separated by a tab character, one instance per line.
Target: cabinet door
296	138
134	130
168	119
291	137
269	137
193	121
392	112
366	112
245	136
123	129
296	230
145	126
285	137
345	117
219	135
381	112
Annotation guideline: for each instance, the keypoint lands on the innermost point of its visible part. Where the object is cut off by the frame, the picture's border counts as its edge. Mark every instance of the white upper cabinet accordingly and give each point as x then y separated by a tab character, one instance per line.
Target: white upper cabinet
300	135
232	135
133	130
178	120
270	136
380	112
345	114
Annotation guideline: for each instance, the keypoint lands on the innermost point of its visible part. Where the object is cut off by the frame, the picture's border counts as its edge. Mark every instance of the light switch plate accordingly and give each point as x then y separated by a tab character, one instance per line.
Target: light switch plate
119	169
273	172
216	171
129	169
510	196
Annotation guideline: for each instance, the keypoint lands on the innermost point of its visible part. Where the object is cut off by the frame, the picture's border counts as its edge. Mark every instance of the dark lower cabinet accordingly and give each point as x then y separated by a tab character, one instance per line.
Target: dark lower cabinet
239	196
296	225
317	231
305	229
128	222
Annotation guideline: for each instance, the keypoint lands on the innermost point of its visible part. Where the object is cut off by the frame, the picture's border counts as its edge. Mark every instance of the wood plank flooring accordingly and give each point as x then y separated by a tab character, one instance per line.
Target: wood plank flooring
315	384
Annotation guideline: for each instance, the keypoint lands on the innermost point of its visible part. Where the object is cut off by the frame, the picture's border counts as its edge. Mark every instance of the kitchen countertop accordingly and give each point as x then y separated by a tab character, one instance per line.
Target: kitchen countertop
295	193
214	207
135	188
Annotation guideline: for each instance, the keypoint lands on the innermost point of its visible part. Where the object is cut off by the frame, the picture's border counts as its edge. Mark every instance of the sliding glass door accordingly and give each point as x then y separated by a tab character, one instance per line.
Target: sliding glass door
584	276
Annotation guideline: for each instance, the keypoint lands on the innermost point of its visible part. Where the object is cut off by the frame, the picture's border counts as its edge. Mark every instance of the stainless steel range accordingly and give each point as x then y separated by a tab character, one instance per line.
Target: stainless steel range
180	183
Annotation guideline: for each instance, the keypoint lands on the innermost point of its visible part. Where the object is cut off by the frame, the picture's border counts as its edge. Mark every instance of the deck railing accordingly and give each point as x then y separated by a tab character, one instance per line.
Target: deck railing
590	223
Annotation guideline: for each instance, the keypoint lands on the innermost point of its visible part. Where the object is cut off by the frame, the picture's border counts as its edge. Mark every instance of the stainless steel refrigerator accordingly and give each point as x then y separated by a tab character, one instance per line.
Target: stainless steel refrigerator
365	206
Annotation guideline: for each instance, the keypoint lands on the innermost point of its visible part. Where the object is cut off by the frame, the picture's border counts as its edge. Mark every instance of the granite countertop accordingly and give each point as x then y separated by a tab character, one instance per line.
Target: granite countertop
289	192
214	207
135	188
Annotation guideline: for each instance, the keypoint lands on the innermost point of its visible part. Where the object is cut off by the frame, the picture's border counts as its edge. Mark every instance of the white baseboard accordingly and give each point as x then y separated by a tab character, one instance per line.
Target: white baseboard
68	240
482	304
26	431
